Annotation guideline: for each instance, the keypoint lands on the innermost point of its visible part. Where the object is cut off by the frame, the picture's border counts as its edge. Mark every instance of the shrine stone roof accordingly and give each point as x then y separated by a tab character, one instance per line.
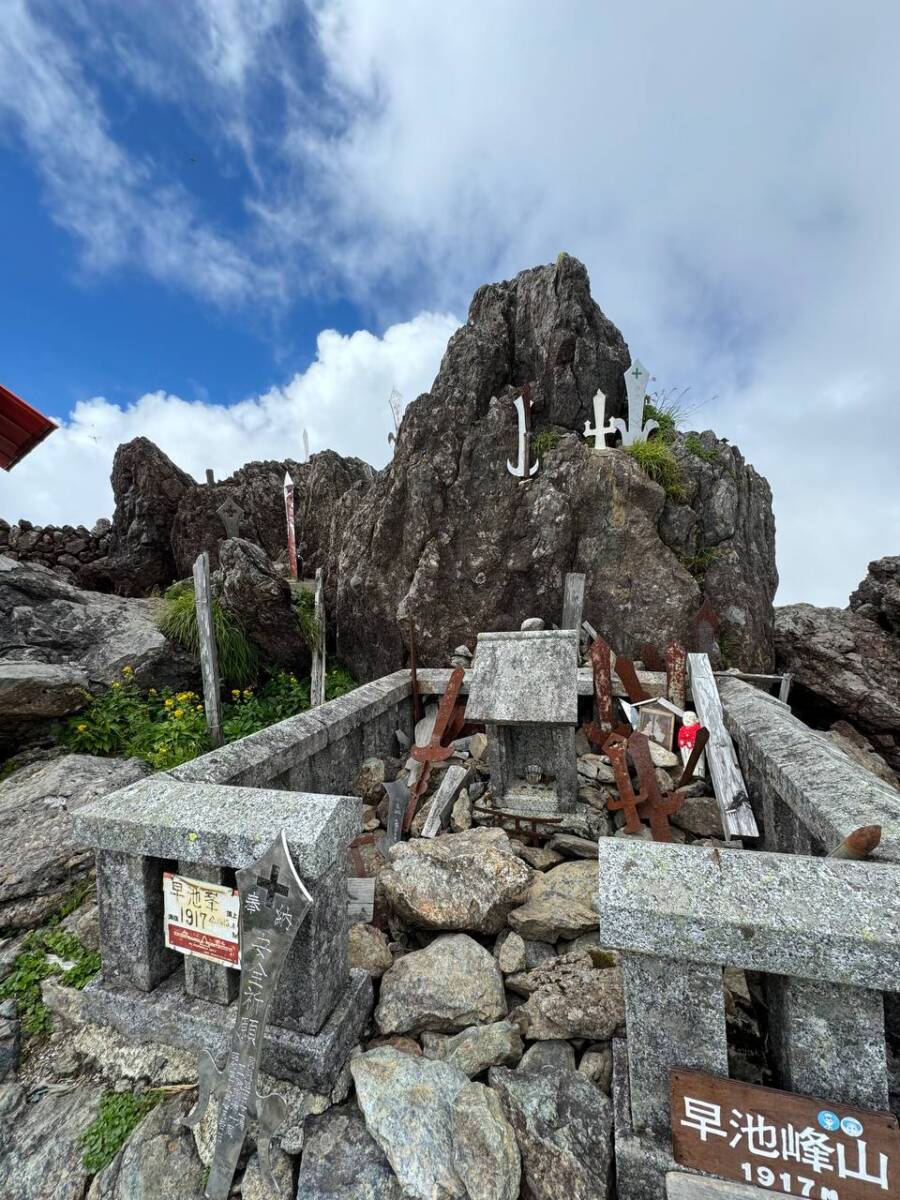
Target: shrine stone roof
525	678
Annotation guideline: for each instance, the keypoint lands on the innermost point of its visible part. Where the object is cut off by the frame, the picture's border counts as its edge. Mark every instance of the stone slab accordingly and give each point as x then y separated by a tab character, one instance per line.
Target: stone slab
682	1186
254	760
36	689
525	678
828	793
170	1016
433	680
642	1162
212	823
814	918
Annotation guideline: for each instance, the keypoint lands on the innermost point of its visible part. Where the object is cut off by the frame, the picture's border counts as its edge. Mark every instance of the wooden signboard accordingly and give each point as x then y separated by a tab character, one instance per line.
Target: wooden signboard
783	1142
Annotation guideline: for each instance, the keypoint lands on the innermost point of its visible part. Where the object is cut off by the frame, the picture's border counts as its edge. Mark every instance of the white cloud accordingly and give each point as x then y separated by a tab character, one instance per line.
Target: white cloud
727	172
341	400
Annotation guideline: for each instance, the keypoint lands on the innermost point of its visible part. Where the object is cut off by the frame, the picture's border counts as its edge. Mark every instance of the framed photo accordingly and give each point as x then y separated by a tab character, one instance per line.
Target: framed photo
657	723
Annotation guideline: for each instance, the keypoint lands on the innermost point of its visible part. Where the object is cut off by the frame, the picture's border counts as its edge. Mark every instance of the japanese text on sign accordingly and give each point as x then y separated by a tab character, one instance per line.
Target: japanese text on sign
794	1144
201	919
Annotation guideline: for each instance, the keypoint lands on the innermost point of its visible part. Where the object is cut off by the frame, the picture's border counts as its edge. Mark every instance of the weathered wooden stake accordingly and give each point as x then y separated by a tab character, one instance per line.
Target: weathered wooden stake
573	600
209	658
317	675
210	476
289	517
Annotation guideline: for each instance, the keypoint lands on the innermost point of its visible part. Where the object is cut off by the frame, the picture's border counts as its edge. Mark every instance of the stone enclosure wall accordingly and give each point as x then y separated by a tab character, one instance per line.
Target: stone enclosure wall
64	548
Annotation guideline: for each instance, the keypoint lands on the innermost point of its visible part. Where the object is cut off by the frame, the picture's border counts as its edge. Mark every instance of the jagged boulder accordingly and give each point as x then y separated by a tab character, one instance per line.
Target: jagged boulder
448	535
259	598
258	488
846	662
878	596
147	487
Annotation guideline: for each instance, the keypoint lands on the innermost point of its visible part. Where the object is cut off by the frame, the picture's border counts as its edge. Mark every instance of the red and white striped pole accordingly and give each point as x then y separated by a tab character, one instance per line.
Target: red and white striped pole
289	516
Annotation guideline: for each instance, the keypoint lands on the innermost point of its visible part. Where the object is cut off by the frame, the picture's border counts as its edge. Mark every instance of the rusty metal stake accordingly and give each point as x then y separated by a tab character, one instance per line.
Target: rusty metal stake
630	682
687	775
657	807
434	751
617	751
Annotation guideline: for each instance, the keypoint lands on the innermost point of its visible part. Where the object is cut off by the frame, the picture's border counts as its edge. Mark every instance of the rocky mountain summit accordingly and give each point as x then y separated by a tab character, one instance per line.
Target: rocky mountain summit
447	535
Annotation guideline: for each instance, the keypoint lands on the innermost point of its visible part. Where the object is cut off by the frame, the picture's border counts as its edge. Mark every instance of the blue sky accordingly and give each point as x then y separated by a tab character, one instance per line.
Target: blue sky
224	221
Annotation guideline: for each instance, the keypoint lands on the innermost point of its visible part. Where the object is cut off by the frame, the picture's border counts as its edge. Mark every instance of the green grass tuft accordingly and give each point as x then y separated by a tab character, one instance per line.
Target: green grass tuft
304	602
666	420
655	458
120	1114
546	439
32	966
177	620
700	562
694	445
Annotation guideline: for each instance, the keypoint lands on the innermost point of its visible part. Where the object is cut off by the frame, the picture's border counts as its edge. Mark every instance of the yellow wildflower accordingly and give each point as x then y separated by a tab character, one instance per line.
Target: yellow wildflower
199	708
115	685
128	670
169	703
152	692
247	693
81	728
179	712
235	692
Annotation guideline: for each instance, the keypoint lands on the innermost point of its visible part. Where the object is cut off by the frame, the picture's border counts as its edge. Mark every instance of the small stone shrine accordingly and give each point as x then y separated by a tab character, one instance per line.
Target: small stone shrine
524	688
207	832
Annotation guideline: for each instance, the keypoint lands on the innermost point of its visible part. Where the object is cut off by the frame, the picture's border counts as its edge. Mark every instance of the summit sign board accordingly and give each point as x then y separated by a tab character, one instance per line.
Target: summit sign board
788	1143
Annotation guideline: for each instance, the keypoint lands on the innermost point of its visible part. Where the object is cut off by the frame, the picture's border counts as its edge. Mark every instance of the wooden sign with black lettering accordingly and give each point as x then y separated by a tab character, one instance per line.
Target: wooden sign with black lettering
784	1142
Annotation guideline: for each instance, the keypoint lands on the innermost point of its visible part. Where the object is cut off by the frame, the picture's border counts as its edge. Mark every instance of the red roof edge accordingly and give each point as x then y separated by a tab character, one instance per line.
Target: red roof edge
21	428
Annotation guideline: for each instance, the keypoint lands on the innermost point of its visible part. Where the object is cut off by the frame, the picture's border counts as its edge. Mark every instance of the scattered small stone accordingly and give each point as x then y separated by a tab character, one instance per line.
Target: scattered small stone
405	1045
596	767
369	949
532	623
560	904
369	780
700	816
509	951
341	1158
569	998
542	858
573	847
661	757
552	1053
461	813
597	1065
592	944
478	1047
451	984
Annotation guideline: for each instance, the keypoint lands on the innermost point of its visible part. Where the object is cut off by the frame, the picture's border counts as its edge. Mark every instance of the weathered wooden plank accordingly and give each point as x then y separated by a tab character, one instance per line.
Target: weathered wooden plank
682	1186
728	782
454	777
573	600
317	673
785	688
361	899
209	658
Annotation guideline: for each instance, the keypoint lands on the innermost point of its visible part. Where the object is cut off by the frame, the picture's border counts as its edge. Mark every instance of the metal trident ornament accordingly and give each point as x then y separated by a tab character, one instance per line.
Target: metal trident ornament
636	379
274	904
599	430
523	408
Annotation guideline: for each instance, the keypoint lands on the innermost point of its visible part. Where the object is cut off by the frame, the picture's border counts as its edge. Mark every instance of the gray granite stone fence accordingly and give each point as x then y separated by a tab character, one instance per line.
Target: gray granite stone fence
806	794
826	935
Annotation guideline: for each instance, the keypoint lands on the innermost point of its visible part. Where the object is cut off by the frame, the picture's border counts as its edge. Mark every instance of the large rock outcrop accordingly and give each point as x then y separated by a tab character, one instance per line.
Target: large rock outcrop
147	487
259	598
846	662
448	535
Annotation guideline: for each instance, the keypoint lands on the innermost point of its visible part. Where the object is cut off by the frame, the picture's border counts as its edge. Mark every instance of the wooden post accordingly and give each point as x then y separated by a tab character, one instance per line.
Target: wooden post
209	658
573	601
728	782
784	689
317	675
289	517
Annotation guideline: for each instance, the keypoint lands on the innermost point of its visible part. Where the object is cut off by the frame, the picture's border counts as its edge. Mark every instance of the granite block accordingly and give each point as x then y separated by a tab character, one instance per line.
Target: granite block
814	918
786	760
525	678
169	1016
214	823
675	1017
642	1162
130	901
828	1040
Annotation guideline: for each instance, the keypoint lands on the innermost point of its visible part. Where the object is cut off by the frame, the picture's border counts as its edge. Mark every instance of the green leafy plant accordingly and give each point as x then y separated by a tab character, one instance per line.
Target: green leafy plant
656	459
32	965
177	620
544	440
168	728
694	445
119	1114
304	602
